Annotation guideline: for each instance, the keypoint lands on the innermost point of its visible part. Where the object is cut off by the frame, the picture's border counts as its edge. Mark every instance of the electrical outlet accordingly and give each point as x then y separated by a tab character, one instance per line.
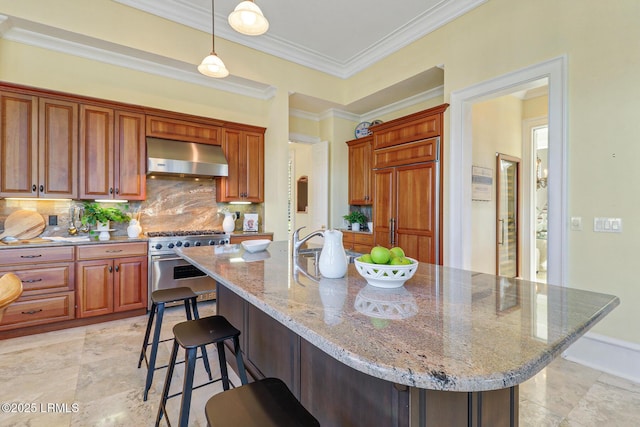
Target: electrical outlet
576	223
607	225
53	219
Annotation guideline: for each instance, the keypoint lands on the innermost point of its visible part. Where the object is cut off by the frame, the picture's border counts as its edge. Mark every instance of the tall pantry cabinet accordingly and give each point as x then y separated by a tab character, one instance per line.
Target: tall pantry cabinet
407	156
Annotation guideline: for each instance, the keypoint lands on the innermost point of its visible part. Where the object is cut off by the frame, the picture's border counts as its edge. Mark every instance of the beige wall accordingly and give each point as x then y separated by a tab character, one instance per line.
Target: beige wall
598	38
497	128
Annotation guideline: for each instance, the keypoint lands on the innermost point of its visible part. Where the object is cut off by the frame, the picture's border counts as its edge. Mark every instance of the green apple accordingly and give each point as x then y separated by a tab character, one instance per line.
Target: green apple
380	255
397	251
366	258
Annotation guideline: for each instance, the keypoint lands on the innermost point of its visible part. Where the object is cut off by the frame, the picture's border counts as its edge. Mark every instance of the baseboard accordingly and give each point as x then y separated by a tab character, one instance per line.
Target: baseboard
610	355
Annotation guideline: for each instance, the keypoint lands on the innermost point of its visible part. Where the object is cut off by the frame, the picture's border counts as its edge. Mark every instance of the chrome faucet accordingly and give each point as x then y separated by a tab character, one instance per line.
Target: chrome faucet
297	242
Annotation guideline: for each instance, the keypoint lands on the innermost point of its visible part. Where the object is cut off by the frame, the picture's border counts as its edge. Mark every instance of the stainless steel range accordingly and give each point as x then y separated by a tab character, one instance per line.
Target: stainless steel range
168	270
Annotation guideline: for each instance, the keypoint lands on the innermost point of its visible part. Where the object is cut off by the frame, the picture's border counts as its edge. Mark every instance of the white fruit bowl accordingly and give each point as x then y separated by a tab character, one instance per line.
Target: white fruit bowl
386	276
255	245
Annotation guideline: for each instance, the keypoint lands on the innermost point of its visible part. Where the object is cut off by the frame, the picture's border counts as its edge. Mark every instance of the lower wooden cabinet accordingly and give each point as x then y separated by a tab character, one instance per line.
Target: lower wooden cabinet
38	310
47	276
357	242
111	285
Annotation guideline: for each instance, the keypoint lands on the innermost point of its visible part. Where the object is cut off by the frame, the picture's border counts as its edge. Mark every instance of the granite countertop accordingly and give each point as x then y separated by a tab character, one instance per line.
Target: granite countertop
445	329
114	239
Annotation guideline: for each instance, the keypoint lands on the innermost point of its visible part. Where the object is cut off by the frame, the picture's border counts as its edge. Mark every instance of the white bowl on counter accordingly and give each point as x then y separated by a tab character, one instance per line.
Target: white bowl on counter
255	245
385	275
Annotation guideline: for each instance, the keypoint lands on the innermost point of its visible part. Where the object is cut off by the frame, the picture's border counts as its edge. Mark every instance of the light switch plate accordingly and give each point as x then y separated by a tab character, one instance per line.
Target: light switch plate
607	225
576	223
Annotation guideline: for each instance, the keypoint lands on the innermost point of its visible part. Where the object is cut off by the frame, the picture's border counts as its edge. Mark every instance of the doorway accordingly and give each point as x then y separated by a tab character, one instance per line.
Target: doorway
458	230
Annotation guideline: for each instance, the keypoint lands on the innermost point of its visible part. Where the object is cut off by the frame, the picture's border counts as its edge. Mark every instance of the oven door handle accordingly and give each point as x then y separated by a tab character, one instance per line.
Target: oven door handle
165	258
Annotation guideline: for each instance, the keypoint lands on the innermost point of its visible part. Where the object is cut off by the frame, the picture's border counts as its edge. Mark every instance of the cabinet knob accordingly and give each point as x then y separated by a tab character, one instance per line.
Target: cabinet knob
110	269
117	190
34	188
110	190
41	188
117	268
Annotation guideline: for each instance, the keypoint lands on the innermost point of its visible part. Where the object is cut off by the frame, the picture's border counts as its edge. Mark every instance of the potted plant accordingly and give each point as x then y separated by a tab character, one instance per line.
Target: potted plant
101	216
356	219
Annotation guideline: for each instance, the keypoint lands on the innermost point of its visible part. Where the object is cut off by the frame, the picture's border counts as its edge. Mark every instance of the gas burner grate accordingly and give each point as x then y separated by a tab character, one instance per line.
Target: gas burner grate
173	233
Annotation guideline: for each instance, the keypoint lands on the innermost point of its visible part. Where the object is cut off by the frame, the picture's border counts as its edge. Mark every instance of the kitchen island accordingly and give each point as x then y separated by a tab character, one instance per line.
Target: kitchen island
450	347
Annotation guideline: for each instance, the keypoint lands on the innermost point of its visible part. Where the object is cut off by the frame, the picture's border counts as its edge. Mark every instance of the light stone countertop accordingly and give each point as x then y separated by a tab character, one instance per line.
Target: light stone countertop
90	241
447	329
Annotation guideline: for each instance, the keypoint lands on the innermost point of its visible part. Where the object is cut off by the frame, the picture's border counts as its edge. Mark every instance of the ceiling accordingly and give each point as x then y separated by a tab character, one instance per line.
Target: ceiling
333	36
337	37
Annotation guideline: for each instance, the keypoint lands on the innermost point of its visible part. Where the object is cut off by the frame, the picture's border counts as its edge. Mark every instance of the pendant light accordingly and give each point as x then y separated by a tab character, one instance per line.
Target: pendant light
212	65
247	18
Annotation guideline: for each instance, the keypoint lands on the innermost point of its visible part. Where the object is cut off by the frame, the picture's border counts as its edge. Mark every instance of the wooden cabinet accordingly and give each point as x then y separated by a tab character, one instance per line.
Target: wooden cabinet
184	130
244	150
112	154
111	278
357	241
405	210
38	146
407	159
47	276
360	176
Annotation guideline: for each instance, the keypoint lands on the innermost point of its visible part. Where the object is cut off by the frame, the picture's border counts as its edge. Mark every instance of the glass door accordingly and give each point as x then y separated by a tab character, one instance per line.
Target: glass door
507	216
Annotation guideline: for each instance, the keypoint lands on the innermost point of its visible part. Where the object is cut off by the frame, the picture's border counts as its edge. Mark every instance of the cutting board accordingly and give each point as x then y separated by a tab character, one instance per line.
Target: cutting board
23	224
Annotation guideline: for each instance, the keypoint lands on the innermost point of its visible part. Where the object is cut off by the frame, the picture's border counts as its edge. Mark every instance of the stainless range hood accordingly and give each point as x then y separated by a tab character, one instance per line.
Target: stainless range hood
178	158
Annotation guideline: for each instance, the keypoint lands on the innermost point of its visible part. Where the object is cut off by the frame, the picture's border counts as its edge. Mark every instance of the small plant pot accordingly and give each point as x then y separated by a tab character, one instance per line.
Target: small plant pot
355	226
103	229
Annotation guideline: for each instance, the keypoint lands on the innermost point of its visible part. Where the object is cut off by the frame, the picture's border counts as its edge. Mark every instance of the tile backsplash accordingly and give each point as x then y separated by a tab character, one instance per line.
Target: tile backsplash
171	204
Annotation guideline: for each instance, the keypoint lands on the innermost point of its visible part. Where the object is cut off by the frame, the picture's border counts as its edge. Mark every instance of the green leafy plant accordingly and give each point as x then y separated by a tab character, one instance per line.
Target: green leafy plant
356	217
96	214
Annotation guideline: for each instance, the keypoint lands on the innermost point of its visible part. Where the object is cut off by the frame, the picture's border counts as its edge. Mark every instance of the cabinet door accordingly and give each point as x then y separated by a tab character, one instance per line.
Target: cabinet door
58	149
130	283
254	167
96	153
416	222
360	153
245	154
130	156
384	206
18	145
95	287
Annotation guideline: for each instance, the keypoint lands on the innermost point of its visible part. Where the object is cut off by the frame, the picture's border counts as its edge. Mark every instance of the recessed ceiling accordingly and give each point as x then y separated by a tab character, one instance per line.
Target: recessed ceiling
333	36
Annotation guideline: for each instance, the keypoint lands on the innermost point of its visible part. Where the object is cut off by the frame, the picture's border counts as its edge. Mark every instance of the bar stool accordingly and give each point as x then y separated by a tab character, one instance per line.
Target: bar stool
190	335
264	403
159	298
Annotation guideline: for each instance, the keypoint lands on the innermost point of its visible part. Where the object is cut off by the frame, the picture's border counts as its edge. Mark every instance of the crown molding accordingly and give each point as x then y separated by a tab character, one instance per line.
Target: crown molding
189	14
55	39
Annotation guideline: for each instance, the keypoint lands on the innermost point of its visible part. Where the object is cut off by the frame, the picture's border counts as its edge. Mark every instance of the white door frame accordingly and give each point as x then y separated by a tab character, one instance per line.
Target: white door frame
457	227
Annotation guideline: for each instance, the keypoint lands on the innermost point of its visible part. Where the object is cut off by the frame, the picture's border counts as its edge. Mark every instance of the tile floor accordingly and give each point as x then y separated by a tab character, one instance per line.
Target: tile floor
91	374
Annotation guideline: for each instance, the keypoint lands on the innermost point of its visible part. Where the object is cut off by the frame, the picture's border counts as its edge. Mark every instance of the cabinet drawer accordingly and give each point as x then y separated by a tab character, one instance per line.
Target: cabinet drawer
414	152
36	255
35	310
46	279
362	249
363	238
111	250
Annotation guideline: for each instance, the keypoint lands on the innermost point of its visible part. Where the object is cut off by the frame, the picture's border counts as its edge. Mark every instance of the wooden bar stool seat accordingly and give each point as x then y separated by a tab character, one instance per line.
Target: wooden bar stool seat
10	290
264	403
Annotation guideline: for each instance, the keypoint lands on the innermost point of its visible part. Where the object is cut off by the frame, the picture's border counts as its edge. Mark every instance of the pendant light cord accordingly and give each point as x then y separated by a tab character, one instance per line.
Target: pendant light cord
213	28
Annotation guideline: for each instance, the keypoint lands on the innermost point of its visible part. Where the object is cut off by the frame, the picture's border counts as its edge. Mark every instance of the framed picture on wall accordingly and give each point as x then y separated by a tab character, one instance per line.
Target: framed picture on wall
481	183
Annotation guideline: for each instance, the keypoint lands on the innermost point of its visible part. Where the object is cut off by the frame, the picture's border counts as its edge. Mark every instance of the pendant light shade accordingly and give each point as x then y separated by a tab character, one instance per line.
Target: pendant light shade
247	18
212	65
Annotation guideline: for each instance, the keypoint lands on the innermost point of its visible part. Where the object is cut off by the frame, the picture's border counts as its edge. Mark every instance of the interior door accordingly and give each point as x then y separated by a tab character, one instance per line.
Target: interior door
507	216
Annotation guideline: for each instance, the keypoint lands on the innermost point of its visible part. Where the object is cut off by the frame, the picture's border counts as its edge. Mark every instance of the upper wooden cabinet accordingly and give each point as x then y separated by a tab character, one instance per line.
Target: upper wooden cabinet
244	150
38	146
360	177
112	154
183	130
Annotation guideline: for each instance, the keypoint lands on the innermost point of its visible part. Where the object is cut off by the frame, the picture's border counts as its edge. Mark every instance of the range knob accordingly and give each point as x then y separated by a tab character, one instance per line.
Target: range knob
197	243
187	244
158	246
170	245
211	242
178	243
